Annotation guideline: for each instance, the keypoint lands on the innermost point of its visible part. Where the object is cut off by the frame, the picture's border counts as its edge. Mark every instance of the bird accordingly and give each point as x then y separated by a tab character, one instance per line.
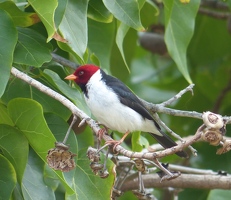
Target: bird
115	106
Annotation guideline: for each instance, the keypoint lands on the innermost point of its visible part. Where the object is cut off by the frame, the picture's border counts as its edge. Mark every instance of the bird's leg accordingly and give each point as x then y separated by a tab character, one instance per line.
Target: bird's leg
115	143
101	132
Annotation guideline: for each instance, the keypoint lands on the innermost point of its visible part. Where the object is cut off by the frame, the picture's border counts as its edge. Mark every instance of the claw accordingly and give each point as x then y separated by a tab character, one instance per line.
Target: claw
115	143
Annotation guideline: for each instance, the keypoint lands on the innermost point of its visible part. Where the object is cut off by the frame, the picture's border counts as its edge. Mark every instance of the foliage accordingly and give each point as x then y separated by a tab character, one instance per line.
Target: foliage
107	33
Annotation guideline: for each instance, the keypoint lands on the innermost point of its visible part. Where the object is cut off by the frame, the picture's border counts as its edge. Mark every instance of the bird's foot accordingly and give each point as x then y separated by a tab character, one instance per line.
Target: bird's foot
115	143
101	133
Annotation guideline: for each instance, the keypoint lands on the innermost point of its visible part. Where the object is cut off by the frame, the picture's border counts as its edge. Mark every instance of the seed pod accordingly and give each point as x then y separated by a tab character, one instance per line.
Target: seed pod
225	148
212	120
212	136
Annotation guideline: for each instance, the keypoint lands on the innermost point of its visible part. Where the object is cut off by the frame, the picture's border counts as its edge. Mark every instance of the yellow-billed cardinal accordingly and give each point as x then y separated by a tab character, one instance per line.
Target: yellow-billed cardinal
116	106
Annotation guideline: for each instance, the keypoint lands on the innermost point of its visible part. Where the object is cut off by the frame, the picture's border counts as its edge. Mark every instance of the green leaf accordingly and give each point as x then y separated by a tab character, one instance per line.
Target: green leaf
98	12
128	47
125	11
139	142
15	148
19	17
7	178
28	116
71	93
31	48
120	35
219	194
46	14
101	38
18	88
136	147
4	117
74	26
33	185
179	28
8	37
59	12
84	179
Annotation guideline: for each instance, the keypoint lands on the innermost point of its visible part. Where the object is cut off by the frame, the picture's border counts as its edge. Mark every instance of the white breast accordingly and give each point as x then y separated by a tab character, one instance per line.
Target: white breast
107	109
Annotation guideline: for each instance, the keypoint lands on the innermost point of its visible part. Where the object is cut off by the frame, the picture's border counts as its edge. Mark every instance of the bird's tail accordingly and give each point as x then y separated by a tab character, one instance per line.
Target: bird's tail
167	142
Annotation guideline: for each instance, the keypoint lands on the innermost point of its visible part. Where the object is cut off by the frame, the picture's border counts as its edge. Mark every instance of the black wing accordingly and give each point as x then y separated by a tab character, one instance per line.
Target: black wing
128	98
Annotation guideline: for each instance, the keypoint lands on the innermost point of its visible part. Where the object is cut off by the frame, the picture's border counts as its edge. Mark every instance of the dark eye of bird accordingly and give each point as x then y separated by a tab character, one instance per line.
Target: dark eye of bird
81	73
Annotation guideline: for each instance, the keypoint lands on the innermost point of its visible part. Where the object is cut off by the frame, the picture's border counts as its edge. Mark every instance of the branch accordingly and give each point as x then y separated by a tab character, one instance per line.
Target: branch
183	181
64	61
149	180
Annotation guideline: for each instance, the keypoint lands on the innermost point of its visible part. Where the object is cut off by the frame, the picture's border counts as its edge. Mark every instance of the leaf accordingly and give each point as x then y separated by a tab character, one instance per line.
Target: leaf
4	117
136	147
7	178
18	88
84	179
31	48
15	148
71	93
139	142
19	17
120	35
46	14
127	47
28	116
98	12
125	11
8	38
179	23
33	186
100	43
73	26
218	194
59	12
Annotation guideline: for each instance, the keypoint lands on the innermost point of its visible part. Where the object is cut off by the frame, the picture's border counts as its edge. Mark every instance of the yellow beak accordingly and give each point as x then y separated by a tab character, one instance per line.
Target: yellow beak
71	77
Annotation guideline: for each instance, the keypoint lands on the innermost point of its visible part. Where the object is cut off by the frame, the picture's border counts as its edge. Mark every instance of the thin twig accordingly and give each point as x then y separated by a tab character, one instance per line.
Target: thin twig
64	61
178	95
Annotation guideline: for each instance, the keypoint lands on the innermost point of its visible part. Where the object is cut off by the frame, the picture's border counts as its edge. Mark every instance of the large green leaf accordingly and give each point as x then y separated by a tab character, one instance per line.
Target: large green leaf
4	117
101	38
15	148
28	116
98	12
7	178
120	35
70	92
31	48
128	48
125	11
8	37
179	28
46	12
84	179
33	185
219	194
73	26
19	17
18	88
